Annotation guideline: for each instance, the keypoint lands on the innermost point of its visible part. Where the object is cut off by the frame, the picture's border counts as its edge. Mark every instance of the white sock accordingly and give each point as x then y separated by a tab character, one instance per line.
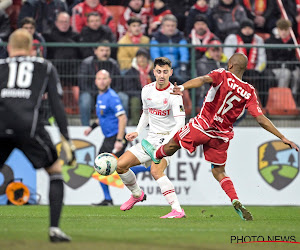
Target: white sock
129	180
168	191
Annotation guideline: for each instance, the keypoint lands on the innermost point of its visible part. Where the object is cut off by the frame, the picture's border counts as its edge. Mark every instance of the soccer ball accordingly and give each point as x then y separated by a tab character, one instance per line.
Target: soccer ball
105	164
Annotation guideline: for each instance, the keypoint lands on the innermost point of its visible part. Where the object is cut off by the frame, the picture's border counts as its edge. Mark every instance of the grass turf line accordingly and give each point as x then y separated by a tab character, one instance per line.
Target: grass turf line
205	227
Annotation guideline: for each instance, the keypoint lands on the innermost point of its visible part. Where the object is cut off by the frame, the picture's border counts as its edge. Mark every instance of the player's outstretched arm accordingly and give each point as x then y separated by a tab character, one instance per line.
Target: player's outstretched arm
193	83
269	126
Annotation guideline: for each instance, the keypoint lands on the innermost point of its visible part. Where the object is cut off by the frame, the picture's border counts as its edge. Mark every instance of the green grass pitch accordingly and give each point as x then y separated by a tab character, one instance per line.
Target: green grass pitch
206	227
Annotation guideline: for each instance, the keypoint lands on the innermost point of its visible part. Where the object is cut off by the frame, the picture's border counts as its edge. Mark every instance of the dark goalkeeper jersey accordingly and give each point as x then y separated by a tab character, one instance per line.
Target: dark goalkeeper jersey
23	82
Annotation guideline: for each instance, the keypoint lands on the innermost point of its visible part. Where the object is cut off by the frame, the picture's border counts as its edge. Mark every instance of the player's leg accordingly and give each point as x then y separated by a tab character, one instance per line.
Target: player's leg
167	189
125	162
56	195
165	150
42	153
216	151
183	138
107	146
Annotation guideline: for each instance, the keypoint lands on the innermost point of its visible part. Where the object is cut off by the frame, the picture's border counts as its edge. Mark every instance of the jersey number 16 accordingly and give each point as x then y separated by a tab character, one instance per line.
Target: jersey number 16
20	76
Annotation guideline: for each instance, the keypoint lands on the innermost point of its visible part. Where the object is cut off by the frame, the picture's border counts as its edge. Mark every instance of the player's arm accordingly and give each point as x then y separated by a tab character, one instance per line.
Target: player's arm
54	94
119	143
179	117
143	122
193	83
91	128
265	123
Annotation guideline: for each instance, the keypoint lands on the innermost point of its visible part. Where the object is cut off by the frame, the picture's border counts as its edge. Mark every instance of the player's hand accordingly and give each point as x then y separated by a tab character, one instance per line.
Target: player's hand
117	147
177	90
131	136
290	143
87	131
69	148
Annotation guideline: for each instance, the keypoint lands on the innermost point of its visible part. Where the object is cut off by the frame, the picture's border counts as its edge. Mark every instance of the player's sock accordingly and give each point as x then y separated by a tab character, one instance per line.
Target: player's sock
105	191
129	181
56	194
168	191
160	153
228	187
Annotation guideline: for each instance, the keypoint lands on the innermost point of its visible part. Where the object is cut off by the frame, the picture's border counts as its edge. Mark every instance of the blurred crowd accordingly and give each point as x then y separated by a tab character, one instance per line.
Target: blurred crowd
136	22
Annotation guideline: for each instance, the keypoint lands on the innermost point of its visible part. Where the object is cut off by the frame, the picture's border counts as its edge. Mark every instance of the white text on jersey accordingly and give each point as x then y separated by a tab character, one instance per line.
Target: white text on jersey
231	83
159	112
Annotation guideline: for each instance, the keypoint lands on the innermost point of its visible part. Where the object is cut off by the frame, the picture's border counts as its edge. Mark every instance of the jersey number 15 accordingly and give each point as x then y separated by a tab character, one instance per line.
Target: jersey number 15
228	100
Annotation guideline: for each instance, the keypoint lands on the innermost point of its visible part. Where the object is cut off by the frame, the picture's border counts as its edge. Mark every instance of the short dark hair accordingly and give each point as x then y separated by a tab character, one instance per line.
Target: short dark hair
134	19
161	61
27	20
93	14
143	52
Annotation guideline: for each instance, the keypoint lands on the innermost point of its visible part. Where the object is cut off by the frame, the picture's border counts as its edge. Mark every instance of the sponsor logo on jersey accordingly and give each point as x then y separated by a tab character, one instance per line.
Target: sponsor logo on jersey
16	93
278	164
159	112
181	108
231	83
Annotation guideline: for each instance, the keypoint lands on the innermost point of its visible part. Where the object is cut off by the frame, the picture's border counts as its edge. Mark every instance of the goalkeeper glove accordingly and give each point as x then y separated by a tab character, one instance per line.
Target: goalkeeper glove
69	148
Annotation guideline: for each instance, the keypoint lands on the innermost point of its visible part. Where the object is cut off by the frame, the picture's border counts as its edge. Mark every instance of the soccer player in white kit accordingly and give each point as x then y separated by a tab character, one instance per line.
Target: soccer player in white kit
165	114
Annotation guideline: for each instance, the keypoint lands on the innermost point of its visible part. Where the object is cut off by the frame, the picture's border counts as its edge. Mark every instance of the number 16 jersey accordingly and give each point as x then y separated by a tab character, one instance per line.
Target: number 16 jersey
225	102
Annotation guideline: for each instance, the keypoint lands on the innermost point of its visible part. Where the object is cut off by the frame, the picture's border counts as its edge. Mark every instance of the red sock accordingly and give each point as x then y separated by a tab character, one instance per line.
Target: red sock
228	187
160	153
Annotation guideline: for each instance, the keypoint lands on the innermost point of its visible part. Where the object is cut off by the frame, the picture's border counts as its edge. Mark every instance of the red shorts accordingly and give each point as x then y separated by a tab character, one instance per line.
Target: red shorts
215	150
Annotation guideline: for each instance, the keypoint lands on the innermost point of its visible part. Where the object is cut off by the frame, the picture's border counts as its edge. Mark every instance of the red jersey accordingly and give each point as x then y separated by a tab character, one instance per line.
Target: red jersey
81	11
225	102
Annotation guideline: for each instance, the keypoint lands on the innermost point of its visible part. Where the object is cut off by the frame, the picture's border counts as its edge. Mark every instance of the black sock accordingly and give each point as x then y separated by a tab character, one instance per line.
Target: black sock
56	194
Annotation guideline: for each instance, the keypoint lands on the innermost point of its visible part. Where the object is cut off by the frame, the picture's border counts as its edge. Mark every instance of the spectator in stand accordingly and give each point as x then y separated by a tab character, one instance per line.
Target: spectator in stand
139	75
4	4
80	13
283	60
257	57
64	58
159	10
4	26
179	56
227	16
94	32
292	8
213	58
133	35
43	12
180	10
13	12
86	79
135	8
29	24
263	13
200	7
201	35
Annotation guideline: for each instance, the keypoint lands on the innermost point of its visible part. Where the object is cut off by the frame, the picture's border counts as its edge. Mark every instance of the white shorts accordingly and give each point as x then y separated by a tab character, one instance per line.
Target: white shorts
142	156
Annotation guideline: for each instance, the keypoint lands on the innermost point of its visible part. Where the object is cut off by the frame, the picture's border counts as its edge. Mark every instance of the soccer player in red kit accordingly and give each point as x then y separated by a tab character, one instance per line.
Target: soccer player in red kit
225	102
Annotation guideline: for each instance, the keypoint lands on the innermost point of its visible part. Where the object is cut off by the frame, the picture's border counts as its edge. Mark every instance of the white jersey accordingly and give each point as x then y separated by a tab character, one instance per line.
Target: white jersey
161	107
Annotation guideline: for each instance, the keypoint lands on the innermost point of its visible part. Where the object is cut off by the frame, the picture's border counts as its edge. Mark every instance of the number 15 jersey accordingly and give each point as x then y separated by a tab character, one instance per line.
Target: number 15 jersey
225	102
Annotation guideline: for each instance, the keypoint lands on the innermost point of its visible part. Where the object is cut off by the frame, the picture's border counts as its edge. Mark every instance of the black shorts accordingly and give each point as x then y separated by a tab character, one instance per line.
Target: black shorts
108	146
39	150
